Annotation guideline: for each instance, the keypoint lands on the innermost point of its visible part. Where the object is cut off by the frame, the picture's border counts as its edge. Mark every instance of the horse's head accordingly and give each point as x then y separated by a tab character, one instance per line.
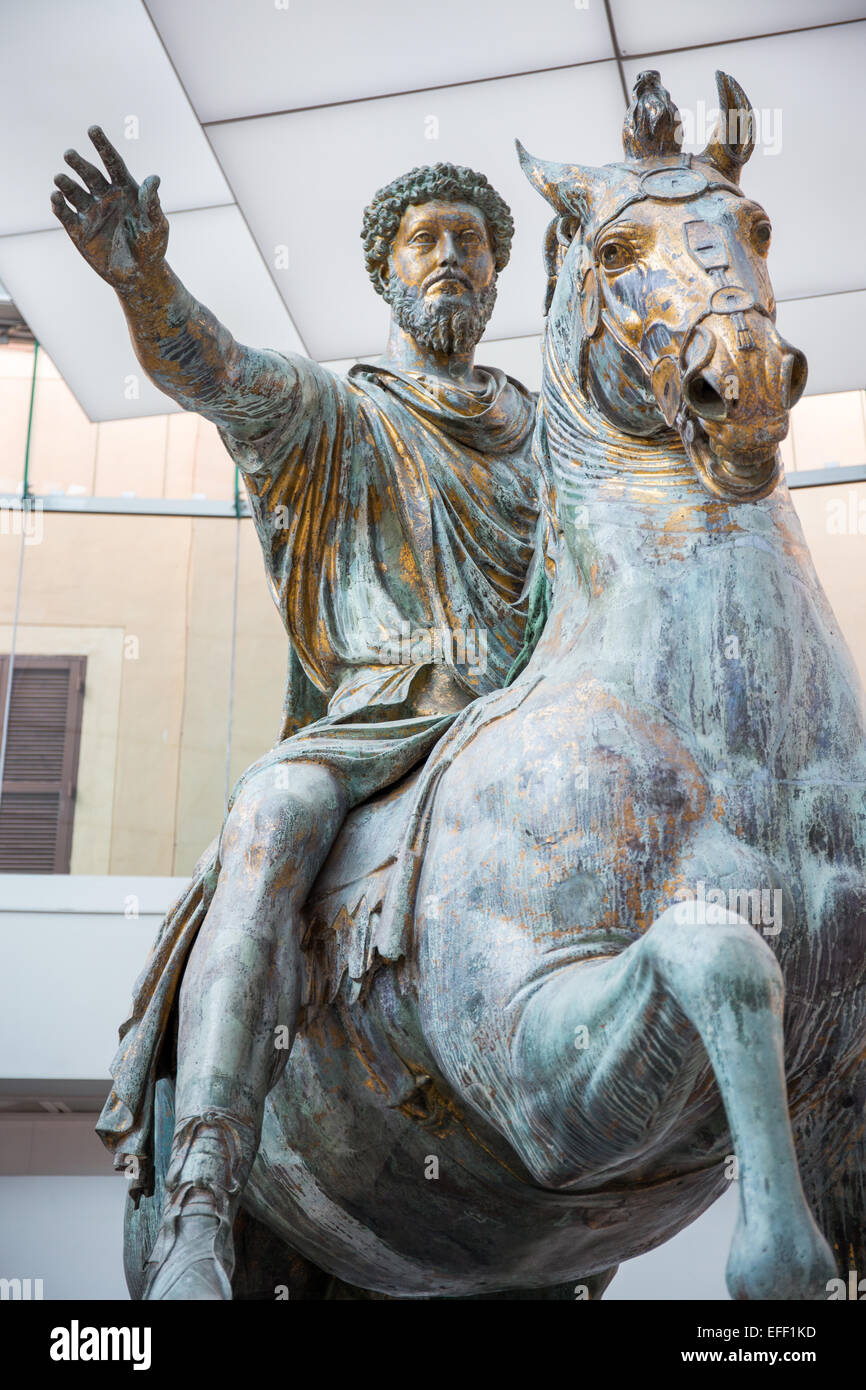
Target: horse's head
659	295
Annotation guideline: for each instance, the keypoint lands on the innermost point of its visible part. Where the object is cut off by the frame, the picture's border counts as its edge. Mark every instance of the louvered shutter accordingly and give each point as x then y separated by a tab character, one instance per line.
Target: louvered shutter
41	764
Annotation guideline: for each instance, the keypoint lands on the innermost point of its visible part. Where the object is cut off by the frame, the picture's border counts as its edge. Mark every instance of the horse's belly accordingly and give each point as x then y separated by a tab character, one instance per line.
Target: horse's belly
415	1208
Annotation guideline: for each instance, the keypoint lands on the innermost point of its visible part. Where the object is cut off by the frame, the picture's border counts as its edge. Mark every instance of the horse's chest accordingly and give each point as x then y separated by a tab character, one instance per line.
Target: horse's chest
606	801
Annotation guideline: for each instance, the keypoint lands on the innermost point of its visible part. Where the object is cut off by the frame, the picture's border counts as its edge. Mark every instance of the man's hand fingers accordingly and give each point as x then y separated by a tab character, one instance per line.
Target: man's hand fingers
73	192
147	197
65	214
96	182
110	158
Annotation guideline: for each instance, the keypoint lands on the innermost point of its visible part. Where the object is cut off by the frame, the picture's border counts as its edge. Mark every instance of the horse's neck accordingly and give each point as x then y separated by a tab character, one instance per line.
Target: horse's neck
644	536
640	533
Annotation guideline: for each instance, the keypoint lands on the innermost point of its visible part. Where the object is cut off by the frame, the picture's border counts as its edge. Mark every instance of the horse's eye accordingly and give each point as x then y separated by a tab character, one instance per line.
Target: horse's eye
615	255
761	236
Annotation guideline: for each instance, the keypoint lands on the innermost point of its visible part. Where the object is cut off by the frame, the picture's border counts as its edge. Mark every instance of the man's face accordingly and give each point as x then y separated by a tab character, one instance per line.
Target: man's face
442	276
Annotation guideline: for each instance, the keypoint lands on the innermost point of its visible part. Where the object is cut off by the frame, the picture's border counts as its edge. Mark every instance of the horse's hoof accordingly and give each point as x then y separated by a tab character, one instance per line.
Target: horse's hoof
782	1260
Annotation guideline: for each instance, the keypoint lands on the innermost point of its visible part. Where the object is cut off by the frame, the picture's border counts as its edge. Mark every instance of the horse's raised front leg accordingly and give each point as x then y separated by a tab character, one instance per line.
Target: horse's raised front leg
649	1018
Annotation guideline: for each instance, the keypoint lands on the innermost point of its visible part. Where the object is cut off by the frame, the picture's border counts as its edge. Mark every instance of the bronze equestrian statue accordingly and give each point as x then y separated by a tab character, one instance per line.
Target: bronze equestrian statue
544	975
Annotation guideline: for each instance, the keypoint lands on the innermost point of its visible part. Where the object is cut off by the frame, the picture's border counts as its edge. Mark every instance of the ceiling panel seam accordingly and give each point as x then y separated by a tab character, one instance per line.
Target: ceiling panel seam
616	50
822	294
741	38
619	58
408	92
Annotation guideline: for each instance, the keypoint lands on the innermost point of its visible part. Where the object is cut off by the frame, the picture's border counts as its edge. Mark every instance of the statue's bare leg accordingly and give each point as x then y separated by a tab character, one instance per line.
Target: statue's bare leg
681	993
238	1011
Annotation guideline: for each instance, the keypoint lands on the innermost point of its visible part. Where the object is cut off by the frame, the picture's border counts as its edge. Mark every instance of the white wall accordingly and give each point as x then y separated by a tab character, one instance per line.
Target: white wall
68	1232
72	949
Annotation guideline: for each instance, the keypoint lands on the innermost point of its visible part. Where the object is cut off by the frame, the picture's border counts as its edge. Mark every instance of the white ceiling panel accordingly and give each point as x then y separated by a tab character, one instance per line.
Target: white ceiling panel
78	319
238	59
807	168
70	64
332	161
644	28
829	330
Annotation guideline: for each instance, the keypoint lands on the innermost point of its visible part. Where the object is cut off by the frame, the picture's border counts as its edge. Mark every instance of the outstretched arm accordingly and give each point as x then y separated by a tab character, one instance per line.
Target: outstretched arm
122	232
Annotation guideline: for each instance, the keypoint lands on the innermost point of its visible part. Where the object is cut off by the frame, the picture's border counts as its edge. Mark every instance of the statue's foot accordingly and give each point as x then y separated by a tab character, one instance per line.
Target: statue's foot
785	1258
192	1257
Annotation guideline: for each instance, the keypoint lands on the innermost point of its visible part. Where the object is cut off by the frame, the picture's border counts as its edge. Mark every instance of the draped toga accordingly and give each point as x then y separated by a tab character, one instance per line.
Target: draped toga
383	503
398	519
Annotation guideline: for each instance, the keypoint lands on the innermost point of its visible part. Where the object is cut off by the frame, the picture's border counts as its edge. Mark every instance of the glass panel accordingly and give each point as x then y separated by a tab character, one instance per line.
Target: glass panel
63	441
149	602
175	455
207	767
261	653
16	371
834	524
828	431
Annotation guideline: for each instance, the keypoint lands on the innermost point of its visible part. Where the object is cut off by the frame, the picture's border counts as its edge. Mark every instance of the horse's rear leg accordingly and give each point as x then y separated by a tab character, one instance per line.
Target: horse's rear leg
831	1146
830	1107
611	1102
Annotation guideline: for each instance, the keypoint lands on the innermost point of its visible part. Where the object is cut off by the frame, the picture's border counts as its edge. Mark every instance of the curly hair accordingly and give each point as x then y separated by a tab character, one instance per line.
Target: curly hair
443	182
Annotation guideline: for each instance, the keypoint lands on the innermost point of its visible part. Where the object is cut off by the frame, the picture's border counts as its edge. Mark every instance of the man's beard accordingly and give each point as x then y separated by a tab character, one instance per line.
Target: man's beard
448	324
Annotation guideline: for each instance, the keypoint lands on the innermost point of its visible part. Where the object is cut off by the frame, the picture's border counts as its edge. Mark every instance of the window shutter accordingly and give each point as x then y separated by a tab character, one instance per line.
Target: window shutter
41	765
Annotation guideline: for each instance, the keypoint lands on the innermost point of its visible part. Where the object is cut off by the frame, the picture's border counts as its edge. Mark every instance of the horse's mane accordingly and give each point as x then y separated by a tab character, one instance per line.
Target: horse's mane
575	444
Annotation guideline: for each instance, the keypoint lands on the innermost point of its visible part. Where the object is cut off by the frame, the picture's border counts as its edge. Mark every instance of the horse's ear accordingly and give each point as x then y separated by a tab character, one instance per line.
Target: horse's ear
733	139
557	240
567	187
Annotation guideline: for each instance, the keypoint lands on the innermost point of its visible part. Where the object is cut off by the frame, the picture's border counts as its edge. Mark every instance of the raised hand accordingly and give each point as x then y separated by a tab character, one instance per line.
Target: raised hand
117	225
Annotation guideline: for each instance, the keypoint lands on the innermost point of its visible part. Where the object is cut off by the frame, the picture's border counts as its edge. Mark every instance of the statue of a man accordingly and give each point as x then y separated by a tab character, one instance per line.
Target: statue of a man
397	513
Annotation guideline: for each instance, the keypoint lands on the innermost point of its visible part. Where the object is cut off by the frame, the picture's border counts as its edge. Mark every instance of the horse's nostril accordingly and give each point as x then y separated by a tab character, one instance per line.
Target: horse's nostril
794	373
704	399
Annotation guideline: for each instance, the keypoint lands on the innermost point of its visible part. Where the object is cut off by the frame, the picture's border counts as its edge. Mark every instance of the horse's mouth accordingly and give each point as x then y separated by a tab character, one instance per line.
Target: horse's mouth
742	477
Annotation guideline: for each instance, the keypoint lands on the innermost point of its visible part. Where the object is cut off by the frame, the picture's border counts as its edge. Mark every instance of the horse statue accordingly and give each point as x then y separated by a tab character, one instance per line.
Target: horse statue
545	1022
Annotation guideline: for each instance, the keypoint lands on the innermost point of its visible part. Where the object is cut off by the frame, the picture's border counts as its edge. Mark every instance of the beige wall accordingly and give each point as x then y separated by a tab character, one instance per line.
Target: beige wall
260	665
149	600
834	524
176	455
100	728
